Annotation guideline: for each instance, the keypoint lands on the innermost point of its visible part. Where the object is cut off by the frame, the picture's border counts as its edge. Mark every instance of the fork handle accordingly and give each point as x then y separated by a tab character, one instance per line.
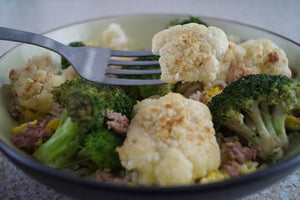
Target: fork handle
31	38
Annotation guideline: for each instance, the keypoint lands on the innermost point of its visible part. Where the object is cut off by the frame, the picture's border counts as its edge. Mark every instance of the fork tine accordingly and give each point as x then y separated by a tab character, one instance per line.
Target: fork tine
129	72
119	81
130	53
132	62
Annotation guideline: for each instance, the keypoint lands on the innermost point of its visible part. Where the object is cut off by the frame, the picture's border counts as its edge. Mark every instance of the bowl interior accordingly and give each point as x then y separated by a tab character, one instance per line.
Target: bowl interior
140	30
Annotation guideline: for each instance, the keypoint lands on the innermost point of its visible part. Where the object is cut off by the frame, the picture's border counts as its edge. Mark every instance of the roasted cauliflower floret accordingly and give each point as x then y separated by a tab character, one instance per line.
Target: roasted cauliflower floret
114	37
266	55
232	65
170	141
33	82
188	52
260	56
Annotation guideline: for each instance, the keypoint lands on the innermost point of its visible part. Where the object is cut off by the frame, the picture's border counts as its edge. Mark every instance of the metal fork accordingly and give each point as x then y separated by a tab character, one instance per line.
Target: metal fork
91	63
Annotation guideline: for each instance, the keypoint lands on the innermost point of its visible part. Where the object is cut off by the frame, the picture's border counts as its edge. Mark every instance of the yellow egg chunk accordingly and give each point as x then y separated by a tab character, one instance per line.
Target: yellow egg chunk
52	125
22	127
214	176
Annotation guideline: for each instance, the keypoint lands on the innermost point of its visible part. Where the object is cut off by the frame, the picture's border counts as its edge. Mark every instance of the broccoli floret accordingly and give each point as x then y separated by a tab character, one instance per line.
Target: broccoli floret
120	102
85	106
83	101
100	147
64	62
142	92
191	19
255	107
84	109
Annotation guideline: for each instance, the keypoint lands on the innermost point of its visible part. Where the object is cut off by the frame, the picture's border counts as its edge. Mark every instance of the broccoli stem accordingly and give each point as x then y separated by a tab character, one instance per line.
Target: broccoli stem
270	127
58	151
243	130
256	118
278	119
267	117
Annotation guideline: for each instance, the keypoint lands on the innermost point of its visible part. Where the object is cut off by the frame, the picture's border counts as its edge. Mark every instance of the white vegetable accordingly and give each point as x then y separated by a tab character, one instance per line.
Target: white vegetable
33	82
114	37
266	55
170	141
188	52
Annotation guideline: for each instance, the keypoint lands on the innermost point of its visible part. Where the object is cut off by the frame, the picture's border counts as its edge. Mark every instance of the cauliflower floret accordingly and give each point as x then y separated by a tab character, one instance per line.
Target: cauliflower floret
232	66
170	141
266	55
114	37
188	52
33	83
233	55
252	57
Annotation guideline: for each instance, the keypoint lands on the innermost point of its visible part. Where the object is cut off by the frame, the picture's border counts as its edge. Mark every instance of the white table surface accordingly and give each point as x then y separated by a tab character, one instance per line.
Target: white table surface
41	15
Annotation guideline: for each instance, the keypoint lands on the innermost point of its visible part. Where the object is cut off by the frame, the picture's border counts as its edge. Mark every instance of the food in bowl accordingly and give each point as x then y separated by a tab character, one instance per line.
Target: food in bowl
150	135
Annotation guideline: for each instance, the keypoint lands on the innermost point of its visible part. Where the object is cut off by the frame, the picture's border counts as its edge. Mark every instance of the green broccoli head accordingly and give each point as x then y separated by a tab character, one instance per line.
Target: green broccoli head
255	107
84	107
100	147
191	19
64	62
142	92
83	101
120	102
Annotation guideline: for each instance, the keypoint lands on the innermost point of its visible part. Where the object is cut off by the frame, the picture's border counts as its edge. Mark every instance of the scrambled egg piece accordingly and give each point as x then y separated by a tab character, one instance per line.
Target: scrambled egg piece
266	55
22	127
114	37
33	83
214	176
206	95
170	141
52	125
189	52
292	123
248	167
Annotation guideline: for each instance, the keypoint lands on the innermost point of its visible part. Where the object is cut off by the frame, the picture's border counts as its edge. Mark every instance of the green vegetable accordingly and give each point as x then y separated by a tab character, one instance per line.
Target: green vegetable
64	62
85	106
191	19
120	102
255	107
142	92
100	147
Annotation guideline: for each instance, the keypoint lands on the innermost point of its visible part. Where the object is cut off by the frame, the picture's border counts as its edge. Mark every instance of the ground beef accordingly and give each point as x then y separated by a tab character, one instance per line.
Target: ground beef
232	168
237	71
117	122
234	155
32	136
103	176
273	57
294	72
14	109
204	97
231	139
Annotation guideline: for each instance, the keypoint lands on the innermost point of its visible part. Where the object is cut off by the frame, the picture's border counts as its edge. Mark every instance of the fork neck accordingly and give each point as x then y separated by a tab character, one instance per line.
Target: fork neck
31	38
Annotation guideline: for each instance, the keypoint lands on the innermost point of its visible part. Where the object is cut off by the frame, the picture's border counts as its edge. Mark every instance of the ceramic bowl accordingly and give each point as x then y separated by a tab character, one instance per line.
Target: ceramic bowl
140	29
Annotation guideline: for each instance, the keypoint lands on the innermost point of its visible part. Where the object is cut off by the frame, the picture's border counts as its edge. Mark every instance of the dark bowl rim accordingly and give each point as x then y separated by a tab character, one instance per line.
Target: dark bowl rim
11	153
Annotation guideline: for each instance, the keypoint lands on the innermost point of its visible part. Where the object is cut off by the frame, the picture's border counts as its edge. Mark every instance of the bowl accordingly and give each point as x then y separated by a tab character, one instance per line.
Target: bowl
140	29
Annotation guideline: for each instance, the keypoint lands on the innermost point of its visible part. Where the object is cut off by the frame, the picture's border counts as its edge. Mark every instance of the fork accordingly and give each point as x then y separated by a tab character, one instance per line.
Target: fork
91	63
